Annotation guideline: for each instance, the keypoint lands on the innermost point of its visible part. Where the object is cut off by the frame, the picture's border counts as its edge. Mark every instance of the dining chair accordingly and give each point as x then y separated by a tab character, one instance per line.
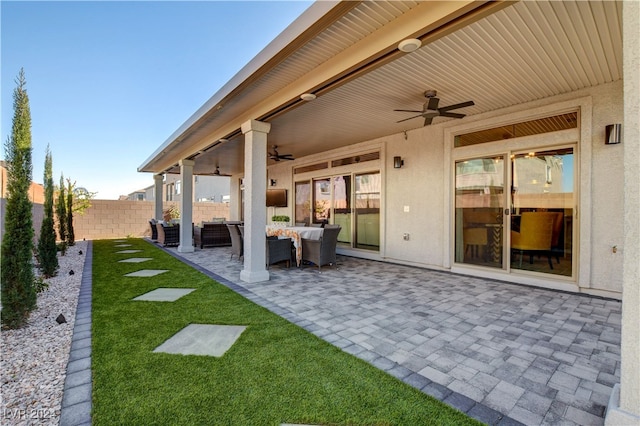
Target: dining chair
536	232
278	250
323	251
237	246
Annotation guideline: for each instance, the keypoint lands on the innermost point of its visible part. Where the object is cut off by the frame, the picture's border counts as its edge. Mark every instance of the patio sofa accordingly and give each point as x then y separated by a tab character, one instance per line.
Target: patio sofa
212	235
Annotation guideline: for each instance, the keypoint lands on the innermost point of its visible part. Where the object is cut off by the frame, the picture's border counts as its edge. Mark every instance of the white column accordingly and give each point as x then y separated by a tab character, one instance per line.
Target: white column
159	196
186	207
255	201
624	404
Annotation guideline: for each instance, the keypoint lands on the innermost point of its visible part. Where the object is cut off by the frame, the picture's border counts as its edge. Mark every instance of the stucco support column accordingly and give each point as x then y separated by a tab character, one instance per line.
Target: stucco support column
624	405
186	207
255	200
158	196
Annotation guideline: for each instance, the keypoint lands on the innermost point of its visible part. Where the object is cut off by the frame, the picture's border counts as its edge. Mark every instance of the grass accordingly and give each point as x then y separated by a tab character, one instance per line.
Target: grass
275	373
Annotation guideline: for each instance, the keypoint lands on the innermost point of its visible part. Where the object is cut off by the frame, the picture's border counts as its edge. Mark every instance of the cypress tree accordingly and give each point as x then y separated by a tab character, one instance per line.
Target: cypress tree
16	262
61	213
47	252
71	238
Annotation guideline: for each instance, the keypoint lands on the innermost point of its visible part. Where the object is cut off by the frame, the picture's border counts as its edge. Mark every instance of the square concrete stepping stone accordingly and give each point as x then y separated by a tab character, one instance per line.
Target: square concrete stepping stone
128	251
135	259
165	294
147	273
202	339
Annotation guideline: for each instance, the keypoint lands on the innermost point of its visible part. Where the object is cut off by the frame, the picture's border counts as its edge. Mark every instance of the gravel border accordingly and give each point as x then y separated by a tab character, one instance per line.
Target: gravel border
34	358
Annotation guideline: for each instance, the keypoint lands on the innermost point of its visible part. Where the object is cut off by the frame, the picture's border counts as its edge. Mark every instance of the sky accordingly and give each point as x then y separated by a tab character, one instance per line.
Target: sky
109	81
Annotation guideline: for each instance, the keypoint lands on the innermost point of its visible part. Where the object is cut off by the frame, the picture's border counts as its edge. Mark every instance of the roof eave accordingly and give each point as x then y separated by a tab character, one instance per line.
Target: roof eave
313	14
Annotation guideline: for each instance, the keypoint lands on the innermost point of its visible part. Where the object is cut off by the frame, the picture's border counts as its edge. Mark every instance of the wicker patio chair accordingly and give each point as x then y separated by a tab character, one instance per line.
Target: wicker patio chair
168	235
278	250
237	245
322	251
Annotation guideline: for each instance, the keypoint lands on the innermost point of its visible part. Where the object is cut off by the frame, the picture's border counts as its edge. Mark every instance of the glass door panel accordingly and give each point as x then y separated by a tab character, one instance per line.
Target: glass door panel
479	211
542	211
303	203
342	207
321	201
367	211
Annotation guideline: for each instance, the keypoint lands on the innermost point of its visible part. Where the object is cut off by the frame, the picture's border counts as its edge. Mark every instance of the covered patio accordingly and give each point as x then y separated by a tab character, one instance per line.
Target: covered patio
349	111
496	351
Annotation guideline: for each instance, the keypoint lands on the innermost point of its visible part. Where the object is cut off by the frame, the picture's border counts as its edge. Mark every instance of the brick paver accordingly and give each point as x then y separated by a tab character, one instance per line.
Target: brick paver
500	352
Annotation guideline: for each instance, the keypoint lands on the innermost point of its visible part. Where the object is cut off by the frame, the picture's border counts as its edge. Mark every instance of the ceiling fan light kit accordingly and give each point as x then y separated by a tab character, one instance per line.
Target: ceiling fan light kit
409	45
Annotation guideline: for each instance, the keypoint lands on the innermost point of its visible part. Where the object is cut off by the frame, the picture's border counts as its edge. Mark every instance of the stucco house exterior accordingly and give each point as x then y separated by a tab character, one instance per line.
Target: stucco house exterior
545	133
213	189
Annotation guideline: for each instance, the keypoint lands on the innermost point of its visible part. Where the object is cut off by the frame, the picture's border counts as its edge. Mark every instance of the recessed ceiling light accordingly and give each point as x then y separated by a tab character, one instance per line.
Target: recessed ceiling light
307	96
409	45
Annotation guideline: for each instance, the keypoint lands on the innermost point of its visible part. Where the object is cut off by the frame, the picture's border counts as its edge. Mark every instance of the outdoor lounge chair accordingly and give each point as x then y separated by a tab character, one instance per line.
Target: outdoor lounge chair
322	251
168	235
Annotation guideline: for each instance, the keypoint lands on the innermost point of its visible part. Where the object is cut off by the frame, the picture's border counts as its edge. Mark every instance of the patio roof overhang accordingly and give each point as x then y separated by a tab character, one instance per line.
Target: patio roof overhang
496	53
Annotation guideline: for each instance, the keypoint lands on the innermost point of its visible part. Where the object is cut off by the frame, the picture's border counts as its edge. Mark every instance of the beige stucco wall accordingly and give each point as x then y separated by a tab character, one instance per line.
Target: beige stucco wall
607	193
122	218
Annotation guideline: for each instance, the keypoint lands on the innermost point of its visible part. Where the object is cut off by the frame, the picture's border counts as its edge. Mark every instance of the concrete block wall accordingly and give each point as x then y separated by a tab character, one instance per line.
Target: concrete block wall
121	218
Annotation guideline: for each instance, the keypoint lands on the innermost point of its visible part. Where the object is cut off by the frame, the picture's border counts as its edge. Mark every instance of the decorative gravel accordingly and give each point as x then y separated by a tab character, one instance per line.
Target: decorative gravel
34	358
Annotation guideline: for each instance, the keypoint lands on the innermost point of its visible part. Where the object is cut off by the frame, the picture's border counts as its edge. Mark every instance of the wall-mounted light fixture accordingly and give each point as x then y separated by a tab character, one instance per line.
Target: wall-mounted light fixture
398	162
273	182
613	134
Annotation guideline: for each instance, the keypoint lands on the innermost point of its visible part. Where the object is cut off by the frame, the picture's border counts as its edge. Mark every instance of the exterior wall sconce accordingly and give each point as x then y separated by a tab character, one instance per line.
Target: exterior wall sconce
398	162
273	182
613	134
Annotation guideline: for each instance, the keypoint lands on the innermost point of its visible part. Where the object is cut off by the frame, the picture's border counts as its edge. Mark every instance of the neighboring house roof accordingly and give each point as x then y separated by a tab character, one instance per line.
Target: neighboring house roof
495	53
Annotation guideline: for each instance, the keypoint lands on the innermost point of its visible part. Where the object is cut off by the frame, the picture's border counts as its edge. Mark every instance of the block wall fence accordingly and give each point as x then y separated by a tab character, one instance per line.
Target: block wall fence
107	219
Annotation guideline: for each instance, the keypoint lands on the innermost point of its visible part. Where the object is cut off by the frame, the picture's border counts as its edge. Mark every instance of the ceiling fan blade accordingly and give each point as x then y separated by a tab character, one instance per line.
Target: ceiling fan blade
427	121
452	115
406	110
433	103
456	106
287	157
415	116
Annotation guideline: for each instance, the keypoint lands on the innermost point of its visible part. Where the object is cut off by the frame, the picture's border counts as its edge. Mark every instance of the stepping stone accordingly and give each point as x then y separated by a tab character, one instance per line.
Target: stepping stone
165	294
202	339
122	245
146	273
119	241
135	259
128	251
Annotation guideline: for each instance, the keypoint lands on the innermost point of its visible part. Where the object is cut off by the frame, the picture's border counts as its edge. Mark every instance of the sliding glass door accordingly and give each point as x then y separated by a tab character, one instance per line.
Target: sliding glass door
351	201
527	228
479	209
542	206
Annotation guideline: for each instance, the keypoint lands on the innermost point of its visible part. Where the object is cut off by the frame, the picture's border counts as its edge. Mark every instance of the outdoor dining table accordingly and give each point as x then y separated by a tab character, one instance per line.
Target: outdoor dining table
296	233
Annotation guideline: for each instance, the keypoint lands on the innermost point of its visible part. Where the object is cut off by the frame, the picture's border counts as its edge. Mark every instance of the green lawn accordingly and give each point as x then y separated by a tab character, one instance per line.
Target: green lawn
275	373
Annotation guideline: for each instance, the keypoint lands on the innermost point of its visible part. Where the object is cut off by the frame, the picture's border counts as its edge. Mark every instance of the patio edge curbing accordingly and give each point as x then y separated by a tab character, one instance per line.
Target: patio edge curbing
78	384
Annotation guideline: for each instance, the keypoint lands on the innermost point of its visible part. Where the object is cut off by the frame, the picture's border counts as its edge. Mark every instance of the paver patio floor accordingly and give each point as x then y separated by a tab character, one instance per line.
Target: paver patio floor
537	356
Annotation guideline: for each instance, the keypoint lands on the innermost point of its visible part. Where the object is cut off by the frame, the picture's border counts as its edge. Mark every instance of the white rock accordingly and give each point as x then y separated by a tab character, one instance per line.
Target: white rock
34	358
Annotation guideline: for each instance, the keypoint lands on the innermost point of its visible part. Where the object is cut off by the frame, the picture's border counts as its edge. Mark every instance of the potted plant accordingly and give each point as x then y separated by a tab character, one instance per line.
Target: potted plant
280	220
